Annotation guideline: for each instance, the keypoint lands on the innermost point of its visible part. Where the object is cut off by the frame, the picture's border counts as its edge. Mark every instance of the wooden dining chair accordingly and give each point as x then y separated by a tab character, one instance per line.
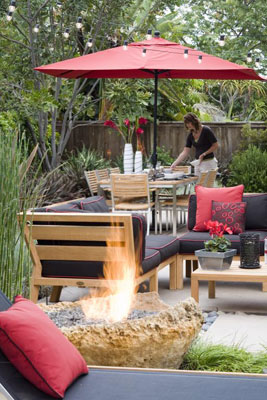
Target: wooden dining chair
131	193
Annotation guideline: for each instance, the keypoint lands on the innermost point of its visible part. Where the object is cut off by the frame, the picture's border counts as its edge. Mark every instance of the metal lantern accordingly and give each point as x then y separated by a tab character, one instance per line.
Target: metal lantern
249	250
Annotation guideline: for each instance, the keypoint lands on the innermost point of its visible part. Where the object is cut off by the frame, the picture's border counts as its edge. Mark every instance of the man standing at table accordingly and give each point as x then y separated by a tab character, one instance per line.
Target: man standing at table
203	139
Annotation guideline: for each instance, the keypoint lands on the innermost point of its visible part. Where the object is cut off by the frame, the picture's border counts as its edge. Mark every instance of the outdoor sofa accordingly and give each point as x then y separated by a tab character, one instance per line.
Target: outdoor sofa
69	242
123	383
255	222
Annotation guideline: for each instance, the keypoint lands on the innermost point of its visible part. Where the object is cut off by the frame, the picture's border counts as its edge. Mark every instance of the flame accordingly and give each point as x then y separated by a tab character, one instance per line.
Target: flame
113	303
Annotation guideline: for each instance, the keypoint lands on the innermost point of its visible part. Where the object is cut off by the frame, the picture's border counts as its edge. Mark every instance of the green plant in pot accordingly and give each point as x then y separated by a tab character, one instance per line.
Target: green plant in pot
217	253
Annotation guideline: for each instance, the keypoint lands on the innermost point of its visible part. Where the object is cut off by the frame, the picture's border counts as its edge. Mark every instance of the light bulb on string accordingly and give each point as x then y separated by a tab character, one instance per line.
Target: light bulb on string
12	6
186	53
66	33
199	59
221	40
36	28
144	52
125	45
149	34
257	63
249	57
9	16
79	23
89	42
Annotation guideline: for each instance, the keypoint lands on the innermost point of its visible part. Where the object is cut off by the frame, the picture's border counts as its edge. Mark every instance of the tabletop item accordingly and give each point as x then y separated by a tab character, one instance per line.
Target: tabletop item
249	250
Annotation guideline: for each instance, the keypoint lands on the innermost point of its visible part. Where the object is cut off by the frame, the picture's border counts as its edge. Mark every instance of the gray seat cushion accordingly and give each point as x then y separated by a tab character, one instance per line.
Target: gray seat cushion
152	260
192	241
165	244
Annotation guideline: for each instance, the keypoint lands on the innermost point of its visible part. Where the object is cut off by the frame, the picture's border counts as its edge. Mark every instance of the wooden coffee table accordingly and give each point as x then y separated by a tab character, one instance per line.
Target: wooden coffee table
233	274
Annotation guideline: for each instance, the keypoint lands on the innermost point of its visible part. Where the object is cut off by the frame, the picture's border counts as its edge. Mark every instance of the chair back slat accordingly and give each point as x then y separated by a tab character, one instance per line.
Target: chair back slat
129	186
211	178
102	174
114	170
91	180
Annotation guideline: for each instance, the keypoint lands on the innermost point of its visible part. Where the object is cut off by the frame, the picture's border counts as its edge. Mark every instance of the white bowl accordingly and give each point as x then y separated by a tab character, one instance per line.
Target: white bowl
173	175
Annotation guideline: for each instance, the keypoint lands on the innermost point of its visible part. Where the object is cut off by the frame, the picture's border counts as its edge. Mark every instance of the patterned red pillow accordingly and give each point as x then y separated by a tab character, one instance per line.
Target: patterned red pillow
231	214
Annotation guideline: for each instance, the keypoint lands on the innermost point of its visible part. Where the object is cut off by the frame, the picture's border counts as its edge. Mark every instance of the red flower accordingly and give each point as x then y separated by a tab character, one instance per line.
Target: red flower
139	131
216	228
111	124
127	122
142	121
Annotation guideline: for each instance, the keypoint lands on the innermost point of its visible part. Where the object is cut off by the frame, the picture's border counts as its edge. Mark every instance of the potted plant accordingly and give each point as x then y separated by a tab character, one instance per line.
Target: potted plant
217	253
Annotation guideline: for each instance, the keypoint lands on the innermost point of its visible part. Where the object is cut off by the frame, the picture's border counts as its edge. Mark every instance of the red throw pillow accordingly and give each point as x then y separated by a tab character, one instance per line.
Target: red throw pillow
38	349
231	214
205	197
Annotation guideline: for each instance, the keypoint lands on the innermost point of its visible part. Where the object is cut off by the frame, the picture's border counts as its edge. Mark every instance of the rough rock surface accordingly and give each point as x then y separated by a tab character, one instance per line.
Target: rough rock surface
157	341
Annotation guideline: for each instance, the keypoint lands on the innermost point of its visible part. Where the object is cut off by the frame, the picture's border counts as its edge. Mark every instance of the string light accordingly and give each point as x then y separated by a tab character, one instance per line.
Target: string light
144	52
186	53
221	40
89	42
12	6
79	23
249	58
36	28
9	16
149	34
125	45
199	59
257	63
66	33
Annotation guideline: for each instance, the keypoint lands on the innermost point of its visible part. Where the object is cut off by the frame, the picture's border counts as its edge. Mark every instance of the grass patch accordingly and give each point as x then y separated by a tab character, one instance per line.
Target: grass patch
215	357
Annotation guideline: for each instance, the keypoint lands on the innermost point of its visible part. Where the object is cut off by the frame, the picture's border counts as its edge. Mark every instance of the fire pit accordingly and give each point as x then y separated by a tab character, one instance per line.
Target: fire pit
155	335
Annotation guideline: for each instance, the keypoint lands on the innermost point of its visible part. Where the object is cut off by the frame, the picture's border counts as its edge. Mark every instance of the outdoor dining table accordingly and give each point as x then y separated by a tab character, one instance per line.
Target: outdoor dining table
161	183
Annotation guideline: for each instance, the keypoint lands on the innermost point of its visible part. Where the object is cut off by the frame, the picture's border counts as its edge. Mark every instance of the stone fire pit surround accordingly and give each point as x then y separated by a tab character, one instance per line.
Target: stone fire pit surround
154	341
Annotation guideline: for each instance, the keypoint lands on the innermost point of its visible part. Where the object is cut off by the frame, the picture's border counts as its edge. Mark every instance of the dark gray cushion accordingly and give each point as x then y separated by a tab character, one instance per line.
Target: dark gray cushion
72	269
152	260
256	211
165	244
94	204
116	384
192	241
61	208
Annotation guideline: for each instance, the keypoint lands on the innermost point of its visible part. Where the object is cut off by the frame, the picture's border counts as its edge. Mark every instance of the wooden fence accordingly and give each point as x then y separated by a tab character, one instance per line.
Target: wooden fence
171	135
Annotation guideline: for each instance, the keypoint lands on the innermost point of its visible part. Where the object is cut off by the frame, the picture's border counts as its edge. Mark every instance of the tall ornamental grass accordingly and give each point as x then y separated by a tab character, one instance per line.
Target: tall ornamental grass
14	261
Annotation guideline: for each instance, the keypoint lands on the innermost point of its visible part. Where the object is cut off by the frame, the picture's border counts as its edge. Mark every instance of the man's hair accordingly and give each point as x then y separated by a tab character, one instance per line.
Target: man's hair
191	117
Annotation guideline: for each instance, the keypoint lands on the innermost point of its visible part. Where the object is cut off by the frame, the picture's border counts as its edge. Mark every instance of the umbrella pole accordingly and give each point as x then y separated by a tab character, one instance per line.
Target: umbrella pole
154	156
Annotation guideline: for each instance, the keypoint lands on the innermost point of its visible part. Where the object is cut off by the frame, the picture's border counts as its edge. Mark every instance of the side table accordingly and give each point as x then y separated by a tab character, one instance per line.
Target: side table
233	274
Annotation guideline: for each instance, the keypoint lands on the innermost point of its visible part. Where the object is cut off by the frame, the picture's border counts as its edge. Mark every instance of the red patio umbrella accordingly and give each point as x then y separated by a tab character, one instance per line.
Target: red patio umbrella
155	58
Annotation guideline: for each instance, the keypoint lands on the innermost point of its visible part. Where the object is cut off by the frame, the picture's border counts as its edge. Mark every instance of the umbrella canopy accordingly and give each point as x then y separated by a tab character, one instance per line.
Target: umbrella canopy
155	58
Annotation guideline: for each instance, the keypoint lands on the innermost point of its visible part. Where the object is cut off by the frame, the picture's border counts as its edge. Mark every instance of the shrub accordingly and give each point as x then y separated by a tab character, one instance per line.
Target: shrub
216	357
255	137
164	156
250	169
